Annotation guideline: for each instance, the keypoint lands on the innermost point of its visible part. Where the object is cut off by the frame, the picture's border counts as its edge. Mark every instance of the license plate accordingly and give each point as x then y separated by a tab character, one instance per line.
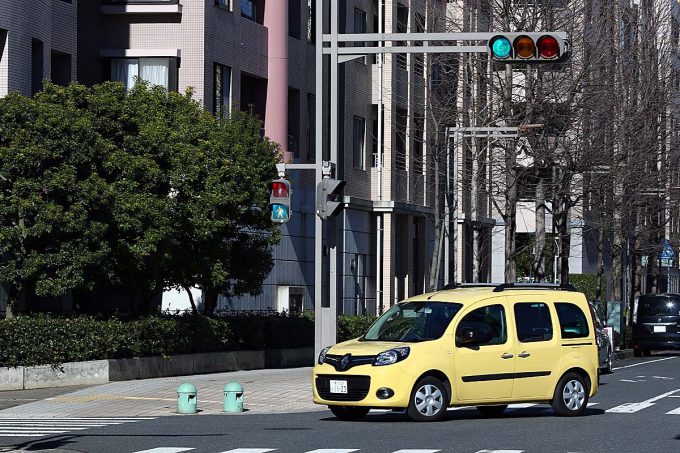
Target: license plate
338	386
659	328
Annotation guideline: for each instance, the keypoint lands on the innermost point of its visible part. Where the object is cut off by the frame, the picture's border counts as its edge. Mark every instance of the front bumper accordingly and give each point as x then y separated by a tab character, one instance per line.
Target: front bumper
363	383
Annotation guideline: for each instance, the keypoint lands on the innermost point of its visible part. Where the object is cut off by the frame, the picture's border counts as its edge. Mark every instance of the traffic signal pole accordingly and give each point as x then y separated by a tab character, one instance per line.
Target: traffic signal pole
328	46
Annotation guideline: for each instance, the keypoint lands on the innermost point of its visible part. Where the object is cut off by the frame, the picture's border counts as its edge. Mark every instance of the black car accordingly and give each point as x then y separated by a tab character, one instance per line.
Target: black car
604	344
656	323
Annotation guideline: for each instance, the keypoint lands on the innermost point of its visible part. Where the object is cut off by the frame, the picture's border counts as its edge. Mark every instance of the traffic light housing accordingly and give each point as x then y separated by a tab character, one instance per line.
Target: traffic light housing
328	193
530	48
279	200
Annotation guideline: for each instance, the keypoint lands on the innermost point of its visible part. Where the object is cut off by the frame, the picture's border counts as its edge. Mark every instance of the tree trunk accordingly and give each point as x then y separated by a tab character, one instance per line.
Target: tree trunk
539	255
191	300
210	296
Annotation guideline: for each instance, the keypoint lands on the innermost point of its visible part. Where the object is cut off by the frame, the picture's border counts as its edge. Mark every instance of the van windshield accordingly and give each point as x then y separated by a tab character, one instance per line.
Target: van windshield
649	306
413	321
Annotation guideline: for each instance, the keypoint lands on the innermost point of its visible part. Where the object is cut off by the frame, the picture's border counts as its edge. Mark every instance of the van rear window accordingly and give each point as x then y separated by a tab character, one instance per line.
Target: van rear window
658	306
573	322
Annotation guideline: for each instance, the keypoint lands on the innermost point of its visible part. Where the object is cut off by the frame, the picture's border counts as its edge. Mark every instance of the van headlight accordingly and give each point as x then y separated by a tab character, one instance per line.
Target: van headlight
322	355
392	356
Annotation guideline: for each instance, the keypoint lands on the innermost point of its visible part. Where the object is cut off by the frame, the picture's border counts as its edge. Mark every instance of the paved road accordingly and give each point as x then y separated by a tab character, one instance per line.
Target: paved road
636	410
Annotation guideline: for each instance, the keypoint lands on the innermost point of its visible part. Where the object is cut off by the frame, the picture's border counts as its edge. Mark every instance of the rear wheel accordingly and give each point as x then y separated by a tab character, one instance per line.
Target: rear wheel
429	400
571	395
349	413
492	411
610	360
637	352
646	352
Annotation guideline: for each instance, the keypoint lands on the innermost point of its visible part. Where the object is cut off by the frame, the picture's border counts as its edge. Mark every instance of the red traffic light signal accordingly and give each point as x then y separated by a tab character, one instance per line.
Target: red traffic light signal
542	47
280	188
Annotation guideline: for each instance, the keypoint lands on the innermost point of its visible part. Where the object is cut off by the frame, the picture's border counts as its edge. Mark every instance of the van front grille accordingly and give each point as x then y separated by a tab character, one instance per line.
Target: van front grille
357	387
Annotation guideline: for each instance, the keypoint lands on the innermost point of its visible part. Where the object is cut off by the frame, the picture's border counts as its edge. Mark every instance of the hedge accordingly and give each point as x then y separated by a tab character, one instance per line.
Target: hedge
44	339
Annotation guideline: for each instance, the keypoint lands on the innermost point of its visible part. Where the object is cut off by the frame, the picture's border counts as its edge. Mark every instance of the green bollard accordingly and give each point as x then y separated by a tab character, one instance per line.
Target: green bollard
187	399
233	397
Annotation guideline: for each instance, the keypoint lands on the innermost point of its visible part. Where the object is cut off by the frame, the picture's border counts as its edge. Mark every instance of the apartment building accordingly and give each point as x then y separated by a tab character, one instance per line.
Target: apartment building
38	40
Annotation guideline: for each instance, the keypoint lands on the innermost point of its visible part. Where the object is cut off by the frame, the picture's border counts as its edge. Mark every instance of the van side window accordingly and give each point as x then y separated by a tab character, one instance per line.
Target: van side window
489	324
573	322
533	322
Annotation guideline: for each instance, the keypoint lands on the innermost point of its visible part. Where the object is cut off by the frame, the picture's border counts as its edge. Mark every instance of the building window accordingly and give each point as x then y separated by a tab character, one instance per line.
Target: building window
311	21
359	24
418	140
294	19
222	100
402	27
311	126
294	121
226	4
419	59
156	71
37	66
359	143
400	148
60	68
253	10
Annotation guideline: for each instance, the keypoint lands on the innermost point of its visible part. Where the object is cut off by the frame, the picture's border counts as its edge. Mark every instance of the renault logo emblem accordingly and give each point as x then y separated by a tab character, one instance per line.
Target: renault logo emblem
345	361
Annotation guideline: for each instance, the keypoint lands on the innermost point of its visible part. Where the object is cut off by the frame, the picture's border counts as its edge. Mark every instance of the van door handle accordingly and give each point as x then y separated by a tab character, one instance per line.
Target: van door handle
507	356
523	354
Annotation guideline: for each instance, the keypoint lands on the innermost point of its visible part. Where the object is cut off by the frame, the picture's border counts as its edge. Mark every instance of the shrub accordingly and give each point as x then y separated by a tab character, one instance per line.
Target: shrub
41	340
350	327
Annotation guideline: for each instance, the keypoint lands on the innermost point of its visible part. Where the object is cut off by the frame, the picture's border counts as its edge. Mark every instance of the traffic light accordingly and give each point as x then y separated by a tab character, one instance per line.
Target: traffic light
529	48
328	192
279	200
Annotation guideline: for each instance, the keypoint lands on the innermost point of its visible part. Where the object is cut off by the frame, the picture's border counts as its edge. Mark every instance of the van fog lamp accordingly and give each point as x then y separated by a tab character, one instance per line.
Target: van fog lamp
384	393
392	356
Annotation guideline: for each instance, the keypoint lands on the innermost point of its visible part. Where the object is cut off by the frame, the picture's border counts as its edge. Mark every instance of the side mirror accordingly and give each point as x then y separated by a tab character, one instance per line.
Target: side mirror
468	336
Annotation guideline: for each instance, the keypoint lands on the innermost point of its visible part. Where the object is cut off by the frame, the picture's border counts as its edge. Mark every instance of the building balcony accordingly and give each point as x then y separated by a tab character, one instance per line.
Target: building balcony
142	7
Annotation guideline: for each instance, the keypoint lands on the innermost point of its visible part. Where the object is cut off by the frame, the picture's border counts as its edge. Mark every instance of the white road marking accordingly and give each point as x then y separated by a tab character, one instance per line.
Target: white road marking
165	450
663	377
642	363
416	451
333	450
251	450
627	380
629	408
674	412
500	451
521	405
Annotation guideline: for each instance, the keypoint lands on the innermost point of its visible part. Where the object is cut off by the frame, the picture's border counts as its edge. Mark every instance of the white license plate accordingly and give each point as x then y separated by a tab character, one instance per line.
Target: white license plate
338	386
659	328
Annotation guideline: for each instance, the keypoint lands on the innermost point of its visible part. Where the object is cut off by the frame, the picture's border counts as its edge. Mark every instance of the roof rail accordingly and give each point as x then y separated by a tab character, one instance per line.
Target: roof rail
560	286
469	285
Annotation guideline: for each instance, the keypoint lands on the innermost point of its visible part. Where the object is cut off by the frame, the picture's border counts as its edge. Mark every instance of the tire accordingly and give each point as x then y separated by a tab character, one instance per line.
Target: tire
637	352
348	413
646	352
429	400
492	411
571	395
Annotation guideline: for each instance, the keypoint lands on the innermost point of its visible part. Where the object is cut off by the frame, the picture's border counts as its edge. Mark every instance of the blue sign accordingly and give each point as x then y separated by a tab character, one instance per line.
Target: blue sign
667	252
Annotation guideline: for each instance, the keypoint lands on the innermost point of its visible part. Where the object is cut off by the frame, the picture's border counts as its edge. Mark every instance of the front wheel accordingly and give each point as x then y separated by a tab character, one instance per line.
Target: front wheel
571	395
349	413
429	400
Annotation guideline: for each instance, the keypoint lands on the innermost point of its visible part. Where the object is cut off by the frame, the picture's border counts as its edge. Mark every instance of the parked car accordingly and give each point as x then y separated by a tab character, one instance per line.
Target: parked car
604	344
656	323
471	345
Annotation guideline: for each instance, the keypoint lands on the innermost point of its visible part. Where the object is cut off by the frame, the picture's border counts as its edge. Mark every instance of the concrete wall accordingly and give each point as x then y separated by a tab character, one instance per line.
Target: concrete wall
103	371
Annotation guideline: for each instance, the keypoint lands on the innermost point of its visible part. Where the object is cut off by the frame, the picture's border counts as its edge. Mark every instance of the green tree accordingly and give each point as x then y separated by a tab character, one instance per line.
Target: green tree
167	196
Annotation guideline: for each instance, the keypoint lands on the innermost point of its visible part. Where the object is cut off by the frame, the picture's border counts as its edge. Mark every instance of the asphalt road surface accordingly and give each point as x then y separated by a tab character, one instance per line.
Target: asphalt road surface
637	409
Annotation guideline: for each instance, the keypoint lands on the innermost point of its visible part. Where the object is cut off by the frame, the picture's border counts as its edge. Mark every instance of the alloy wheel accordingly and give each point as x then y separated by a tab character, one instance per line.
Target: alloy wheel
574	395
429	400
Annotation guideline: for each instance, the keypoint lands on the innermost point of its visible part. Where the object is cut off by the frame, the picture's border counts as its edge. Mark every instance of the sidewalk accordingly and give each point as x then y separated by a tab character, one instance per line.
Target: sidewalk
265	391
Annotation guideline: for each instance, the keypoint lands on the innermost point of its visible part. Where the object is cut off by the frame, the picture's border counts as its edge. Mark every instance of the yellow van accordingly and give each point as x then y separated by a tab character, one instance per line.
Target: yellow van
472	345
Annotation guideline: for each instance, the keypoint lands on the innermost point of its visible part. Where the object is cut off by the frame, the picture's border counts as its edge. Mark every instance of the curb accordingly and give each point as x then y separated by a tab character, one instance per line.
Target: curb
623	354
103	371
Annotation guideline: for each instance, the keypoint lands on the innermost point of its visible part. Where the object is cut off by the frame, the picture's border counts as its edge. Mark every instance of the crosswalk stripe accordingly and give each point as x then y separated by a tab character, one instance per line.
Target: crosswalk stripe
629	408
333	450
674	412
23	435
416	451
521	405
34	432
165	450
500	451
250	450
